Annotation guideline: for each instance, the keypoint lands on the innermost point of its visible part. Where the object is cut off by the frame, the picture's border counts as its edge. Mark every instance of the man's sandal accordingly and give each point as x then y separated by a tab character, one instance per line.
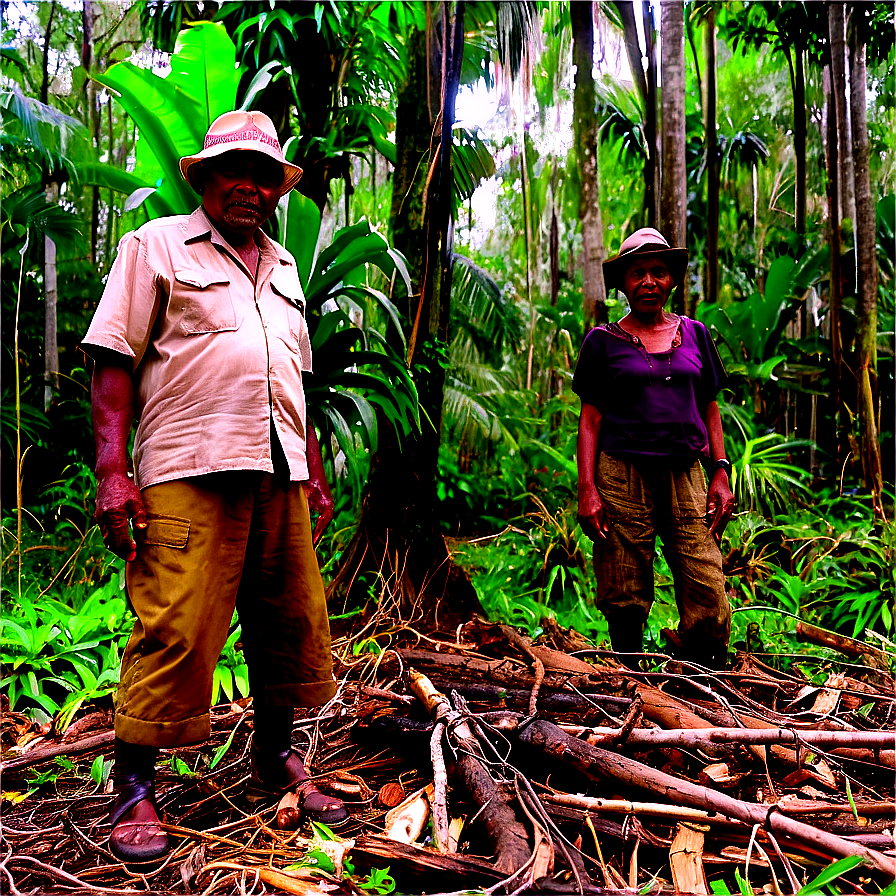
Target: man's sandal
266	785
134	789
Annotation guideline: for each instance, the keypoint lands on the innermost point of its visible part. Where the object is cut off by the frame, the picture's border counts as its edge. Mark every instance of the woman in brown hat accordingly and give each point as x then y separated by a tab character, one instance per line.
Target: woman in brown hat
649	424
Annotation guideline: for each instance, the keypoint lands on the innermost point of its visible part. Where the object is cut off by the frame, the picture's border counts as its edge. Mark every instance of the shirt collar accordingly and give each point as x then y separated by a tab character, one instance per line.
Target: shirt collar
200	226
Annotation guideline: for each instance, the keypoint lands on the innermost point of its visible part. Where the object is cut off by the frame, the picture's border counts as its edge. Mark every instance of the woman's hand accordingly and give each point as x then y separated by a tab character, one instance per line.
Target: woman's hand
719	504
592	515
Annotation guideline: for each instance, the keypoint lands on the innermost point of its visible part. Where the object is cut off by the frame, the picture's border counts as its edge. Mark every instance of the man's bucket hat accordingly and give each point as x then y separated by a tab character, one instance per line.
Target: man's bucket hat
243	130
645	241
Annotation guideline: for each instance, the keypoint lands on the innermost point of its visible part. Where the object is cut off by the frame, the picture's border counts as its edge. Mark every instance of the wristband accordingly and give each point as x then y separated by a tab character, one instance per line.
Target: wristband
723	464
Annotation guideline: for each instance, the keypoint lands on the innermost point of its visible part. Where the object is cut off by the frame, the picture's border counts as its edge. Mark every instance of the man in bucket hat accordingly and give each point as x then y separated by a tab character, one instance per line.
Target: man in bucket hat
200	335
649	423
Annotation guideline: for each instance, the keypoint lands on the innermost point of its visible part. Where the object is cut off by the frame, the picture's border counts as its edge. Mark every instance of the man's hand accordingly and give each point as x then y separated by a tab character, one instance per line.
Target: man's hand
719	504
317	489
118	502
592	515
320	501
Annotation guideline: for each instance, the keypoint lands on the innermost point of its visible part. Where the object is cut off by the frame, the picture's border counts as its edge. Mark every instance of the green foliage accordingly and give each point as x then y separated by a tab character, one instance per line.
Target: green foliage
829	563
174	113
358	370
59	654
231	674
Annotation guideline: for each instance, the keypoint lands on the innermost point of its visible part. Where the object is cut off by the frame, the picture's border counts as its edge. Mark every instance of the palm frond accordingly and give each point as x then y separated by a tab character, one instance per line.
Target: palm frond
481	313
48	130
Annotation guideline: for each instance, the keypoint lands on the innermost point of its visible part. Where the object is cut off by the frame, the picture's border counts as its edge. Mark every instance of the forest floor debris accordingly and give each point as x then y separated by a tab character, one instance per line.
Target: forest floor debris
484	761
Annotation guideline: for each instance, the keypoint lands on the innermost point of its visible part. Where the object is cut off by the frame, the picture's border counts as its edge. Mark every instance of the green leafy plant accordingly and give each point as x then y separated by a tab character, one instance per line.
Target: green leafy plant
231	674
173	115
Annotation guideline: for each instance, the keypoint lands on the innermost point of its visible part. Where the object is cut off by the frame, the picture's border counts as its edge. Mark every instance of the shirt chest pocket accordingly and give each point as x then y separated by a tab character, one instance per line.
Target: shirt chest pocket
203	301
299	340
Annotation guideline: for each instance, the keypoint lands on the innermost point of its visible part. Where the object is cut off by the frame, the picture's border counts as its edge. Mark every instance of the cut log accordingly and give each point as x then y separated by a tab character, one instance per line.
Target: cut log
289	815
686	860
601	764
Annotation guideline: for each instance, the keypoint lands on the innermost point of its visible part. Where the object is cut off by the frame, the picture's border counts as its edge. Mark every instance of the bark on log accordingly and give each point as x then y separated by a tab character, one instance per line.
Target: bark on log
462	669
549	701
505	831
601	764
442	873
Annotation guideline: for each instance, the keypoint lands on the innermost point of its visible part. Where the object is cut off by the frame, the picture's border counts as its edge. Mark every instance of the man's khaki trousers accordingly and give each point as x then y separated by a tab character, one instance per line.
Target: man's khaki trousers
234	539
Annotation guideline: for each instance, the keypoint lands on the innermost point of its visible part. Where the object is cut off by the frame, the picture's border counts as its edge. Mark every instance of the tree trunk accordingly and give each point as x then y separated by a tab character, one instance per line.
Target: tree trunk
866	258
51	190
712	164
585	126
673	193
89	15
799	137
651	129
846	170
51	342
398	538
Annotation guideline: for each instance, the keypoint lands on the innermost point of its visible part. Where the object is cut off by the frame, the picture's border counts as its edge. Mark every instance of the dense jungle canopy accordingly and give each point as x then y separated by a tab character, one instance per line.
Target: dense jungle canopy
468	166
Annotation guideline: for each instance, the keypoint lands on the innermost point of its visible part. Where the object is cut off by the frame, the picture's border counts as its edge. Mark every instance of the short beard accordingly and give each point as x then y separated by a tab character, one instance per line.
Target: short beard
241	218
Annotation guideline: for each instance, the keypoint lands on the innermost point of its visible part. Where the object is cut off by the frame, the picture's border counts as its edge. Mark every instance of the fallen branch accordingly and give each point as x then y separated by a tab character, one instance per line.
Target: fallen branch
847	646
51	751
682	737
600	764
505	831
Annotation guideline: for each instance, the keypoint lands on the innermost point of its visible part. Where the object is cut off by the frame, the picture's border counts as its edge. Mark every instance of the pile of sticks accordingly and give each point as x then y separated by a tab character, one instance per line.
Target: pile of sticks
484	760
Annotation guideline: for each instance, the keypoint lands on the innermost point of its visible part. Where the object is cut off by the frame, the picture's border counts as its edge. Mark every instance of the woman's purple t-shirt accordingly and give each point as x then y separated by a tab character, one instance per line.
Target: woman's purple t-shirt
651	405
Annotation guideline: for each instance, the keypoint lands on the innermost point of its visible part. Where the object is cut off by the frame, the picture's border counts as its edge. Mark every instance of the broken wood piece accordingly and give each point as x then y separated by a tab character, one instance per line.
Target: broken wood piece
405	822
292	882
600	764
440	790
686	860
827	699
289	815
719	775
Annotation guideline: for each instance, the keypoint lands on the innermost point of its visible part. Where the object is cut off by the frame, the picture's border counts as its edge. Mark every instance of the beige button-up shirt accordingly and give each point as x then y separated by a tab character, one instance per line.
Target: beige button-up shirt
216	354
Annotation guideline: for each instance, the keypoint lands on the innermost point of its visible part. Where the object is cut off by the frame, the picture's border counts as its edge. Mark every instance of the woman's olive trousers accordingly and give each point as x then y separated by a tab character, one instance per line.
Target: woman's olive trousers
656	499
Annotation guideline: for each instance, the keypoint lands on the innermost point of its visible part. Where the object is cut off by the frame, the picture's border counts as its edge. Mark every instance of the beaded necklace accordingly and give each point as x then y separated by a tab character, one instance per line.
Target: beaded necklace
622	333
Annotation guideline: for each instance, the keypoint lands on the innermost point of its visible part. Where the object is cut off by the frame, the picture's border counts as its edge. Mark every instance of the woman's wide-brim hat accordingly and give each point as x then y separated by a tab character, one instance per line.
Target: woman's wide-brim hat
252	131
645	241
